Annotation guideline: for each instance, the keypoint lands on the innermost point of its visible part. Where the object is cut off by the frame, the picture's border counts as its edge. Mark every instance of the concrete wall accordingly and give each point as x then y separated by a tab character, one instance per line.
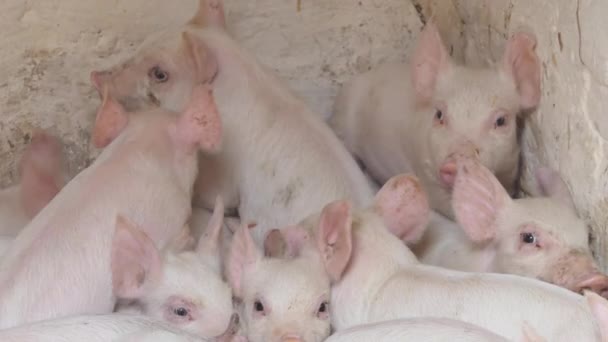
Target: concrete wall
48	48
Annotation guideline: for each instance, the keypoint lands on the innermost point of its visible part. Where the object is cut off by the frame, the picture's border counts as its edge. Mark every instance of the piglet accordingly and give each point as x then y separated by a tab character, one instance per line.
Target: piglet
539	237
421	118
427	329
42	173
103	328
384	280
60	263
287	299
182	288
281	163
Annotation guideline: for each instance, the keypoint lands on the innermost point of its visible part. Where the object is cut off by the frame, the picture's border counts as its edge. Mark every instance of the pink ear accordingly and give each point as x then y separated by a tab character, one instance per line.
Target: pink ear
200	124
43	170
599	308
204	60
552	185
404	206
135	263
334	238
430	59
243	254
111	120
522	64
530	334
477	199
209	241
210	13
285	242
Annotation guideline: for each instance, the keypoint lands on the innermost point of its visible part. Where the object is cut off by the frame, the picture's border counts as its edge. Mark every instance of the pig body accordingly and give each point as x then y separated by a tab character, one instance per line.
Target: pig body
422	117
42	173
537	237
60	263
280	162
96	328
385	281
417	329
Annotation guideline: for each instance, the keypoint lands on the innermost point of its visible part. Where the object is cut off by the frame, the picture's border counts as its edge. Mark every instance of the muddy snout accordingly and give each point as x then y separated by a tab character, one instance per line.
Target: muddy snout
449	167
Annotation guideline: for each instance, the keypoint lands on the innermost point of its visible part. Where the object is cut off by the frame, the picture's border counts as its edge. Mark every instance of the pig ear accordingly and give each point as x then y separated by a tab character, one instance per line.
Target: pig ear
43	170
136	262
110	121
521	63
200	124
334	238
285	242
210	14
430	59
599	308
209	242
204	60
552	185
243	254
477	200
404	207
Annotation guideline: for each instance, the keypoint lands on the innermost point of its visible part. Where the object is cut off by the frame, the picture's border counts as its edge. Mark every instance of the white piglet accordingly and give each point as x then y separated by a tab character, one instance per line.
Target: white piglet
538	237
287	299
384	281
182	288
104	328
280	162
60	263
421	118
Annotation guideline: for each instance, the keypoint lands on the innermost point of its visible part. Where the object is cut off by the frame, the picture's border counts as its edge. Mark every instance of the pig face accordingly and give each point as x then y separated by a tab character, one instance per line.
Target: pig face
184	289
540	238
287	299
473	112
166	67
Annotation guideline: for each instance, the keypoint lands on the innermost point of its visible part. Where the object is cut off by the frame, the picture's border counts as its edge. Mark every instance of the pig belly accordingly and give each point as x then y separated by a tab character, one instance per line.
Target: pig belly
416	329
499	303
95	328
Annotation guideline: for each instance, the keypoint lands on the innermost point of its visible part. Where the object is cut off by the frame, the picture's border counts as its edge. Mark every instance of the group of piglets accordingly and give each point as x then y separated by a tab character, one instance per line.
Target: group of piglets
223	209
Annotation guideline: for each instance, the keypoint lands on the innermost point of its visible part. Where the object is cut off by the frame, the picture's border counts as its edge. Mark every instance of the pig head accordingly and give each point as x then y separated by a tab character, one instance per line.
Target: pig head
540	237
183	288
285	295
167	65
470	112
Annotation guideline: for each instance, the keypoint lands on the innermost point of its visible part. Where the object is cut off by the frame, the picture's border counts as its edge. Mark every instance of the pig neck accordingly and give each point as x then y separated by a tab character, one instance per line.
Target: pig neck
273	142
12	216
377	257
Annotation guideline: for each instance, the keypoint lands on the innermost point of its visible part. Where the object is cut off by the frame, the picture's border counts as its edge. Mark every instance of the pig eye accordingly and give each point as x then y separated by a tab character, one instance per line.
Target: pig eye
501	121
324	307
528	238
158	75
182	312
258	307
439	115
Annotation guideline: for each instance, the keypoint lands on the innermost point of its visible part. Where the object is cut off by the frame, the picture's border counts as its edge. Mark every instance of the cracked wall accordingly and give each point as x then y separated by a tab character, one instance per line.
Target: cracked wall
48	49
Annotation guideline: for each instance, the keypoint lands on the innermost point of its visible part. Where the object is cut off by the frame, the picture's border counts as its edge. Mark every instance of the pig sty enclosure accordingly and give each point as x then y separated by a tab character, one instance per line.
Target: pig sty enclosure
49	48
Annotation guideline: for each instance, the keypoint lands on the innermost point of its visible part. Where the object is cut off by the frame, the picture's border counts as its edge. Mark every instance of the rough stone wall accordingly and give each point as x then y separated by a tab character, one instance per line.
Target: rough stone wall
48	48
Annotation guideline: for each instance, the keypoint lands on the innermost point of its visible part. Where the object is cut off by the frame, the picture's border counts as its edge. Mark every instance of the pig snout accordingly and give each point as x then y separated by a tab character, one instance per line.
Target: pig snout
291	338
447	173
233	327
597	283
